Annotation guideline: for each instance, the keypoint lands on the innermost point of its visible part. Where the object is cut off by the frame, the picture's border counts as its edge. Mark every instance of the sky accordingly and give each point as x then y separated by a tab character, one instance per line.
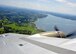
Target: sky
60	6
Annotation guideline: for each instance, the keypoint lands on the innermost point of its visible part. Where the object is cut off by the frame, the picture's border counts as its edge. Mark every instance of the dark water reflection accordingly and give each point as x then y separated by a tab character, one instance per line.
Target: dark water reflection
48	23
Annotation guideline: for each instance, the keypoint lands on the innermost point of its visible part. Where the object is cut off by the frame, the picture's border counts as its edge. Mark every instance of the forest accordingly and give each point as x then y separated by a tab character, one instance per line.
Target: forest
17	20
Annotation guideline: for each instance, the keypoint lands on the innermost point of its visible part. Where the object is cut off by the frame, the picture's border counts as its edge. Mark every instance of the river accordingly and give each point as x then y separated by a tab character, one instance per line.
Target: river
48	23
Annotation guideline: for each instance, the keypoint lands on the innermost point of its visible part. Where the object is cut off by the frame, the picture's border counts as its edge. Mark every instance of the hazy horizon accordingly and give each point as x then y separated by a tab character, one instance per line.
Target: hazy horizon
60	6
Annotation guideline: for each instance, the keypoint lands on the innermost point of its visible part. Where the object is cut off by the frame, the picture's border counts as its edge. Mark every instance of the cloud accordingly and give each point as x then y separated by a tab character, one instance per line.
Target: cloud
43	0
72	4
67	2
61	0
46	1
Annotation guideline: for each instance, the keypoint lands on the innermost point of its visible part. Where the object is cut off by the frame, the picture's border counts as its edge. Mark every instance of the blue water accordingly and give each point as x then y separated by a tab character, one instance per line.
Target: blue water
48	23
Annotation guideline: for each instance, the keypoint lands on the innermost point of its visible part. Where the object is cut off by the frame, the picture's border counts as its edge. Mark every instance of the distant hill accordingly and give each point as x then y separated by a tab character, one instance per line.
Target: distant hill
15	14
66	16
20	15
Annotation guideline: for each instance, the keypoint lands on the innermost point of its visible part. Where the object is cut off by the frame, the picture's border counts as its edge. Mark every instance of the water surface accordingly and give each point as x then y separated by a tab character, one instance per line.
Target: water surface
49	22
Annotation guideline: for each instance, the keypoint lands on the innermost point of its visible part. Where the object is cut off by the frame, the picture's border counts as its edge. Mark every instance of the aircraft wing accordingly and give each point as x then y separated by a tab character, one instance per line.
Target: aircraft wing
11	43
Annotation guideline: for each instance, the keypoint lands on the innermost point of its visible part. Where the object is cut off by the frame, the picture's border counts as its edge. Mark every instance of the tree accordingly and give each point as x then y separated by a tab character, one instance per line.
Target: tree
1	30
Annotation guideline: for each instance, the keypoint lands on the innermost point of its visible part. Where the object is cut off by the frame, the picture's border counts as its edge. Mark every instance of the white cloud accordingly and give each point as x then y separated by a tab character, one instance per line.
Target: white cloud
46	1
72	4
43	0
67	2
61	0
